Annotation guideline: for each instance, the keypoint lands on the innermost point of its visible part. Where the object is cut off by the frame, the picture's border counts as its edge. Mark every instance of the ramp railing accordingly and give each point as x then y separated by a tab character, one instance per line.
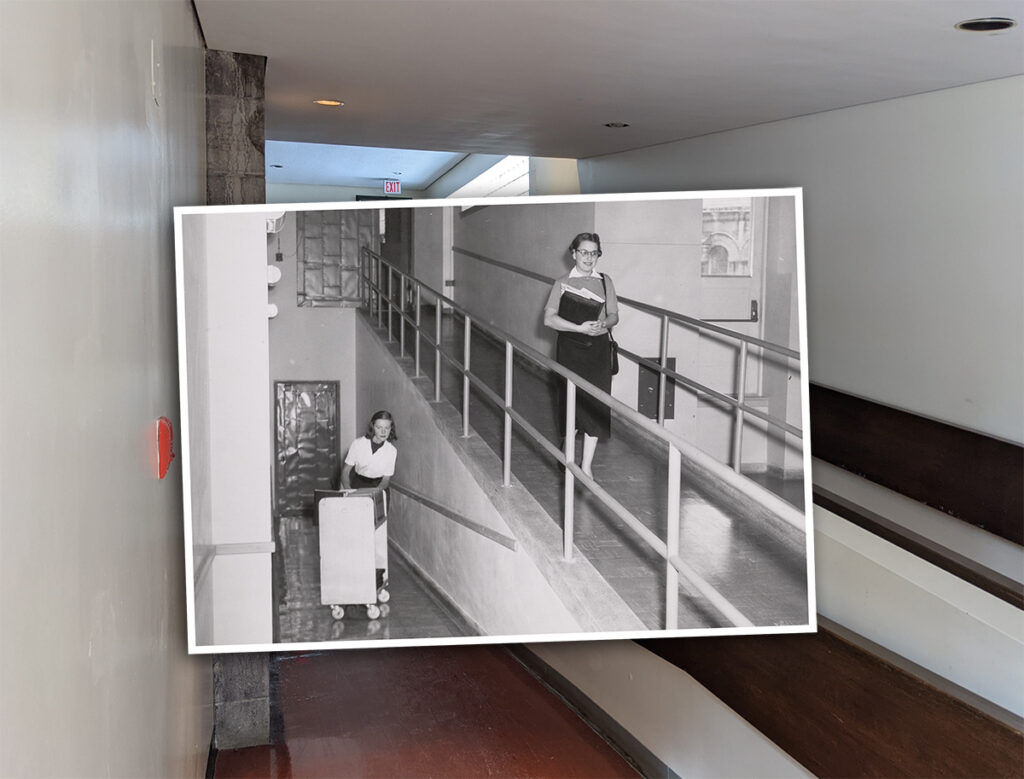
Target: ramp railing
388	293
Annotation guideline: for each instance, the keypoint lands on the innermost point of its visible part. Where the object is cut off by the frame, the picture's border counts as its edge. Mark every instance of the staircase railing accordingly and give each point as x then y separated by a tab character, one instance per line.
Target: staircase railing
384	298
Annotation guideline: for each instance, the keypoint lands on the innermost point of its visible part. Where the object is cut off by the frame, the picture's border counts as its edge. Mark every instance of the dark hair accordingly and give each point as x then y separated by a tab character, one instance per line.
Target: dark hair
393	435
594	237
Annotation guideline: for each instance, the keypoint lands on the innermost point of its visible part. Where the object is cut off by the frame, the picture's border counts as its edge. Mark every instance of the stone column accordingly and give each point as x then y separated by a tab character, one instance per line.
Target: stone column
235	168
235	174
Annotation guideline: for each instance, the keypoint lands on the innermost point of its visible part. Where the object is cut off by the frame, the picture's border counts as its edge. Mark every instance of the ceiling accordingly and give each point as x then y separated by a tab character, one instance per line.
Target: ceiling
542	77
320	164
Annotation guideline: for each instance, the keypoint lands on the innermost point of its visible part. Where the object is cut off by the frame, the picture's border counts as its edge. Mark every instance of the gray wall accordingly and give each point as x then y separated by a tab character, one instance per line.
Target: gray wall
532	237
95	677
913	240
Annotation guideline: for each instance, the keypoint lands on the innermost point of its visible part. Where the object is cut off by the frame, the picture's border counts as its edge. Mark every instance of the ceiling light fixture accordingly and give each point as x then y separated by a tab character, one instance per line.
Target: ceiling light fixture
986	24
332	103
616	125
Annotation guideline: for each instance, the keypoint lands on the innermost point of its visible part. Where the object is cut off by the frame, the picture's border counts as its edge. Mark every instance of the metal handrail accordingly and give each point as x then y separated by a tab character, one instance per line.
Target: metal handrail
702	465
740	409
646	307
455	516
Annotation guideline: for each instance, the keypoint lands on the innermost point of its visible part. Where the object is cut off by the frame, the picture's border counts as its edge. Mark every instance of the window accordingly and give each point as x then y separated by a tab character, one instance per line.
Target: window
726	245
328	254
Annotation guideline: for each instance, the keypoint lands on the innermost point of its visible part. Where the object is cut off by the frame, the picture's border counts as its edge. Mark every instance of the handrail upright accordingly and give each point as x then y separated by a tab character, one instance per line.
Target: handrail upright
379	285
737	433
663	362
570	477
391	303
506	475
437	349
672	539
466	334
419	310
401	312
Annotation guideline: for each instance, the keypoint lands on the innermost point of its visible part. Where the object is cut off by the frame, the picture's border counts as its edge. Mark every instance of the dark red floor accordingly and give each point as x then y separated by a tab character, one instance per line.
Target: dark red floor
420	712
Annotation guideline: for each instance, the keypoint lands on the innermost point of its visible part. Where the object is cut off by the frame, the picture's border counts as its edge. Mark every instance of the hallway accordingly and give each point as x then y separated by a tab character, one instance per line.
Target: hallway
425	711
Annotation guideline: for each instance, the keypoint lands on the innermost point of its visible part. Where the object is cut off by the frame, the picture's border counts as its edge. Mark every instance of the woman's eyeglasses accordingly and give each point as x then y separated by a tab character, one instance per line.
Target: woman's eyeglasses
589	255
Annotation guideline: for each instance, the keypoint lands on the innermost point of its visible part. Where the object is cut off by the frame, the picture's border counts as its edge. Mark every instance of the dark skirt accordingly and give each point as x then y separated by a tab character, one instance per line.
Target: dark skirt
360	482
590	357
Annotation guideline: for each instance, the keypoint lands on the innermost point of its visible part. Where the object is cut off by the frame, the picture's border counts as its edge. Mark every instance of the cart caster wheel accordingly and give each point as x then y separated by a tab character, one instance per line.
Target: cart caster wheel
373	611
383	596
385	610
338	612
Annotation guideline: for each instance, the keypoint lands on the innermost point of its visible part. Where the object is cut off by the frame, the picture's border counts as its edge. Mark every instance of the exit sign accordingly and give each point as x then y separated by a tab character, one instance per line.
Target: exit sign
392	187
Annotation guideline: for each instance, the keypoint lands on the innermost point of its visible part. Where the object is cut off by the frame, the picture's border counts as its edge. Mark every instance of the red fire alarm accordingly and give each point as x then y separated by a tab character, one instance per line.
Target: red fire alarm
164	445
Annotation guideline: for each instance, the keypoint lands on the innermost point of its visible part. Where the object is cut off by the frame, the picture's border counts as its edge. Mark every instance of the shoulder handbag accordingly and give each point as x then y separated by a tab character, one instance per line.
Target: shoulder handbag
613	346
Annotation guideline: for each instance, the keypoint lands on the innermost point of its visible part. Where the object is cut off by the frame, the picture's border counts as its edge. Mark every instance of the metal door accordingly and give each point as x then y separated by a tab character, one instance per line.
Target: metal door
306	454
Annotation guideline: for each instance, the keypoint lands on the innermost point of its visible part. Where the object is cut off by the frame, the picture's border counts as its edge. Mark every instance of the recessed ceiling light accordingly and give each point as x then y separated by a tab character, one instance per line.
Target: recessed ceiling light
616	125
986	24
329	102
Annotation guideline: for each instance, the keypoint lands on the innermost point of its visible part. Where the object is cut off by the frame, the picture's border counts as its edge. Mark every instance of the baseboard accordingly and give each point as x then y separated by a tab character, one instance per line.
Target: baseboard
645	762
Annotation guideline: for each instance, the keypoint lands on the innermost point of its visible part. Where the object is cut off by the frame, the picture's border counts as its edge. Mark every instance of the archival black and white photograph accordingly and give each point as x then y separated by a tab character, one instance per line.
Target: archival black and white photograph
413	422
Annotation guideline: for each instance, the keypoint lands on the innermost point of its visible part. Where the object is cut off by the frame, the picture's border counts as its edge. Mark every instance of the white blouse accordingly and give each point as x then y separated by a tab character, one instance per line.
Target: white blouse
368	463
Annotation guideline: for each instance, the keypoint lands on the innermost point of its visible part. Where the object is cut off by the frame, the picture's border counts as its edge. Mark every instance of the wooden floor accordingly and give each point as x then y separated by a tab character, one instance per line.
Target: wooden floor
425	711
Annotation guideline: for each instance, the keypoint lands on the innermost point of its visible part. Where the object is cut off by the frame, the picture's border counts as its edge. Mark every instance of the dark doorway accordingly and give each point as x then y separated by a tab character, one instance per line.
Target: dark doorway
397	245
306	454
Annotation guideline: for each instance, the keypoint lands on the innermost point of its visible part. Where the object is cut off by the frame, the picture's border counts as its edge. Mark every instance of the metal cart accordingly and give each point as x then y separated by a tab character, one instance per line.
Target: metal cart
353	550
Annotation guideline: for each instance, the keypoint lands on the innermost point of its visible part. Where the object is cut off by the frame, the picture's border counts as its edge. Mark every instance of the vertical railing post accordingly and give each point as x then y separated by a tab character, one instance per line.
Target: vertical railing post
391	303
401	313
380	292
437	350
672	540
506	476
737	433
467	332
570	478
663	362
419	300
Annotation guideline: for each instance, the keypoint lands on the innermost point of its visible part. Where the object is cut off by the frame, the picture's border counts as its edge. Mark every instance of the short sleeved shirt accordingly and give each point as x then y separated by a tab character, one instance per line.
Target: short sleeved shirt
368	463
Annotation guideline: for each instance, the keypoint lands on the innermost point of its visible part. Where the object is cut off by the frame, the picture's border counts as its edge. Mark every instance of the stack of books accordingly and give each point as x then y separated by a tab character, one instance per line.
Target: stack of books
579	305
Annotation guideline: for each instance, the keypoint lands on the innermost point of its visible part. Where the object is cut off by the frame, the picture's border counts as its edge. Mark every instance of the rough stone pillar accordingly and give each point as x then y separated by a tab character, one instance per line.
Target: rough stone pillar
236	174
235	168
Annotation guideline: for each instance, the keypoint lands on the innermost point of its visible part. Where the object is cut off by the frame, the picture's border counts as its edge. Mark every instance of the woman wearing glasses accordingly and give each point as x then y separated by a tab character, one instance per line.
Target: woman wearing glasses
582	308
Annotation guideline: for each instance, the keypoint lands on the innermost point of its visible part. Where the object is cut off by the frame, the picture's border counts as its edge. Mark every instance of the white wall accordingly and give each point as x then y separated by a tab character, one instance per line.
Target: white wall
913	240
95	678
227	421
900	197
554	175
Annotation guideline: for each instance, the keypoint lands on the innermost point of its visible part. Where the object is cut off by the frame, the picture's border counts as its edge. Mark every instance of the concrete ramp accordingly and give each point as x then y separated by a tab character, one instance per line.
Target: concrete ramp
528	590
